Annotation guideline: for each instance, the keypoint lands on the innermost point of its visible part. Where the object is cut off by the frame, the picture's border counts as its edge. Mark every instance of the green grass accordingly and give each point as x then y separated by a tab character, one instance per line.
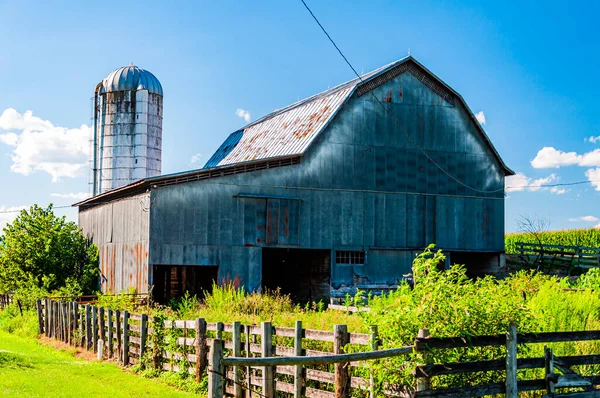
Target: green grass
30	369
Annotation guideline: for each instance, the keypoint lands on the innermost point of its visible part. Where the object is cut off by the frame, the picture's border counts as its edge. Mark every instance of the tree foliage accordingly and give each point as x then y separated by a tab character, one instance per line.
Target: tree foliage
40	251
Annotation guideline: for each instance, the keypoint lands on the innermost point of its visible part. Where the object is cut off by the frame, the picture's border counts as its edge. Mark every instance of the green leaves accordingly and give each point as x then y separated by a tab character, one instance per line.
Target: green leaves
42	251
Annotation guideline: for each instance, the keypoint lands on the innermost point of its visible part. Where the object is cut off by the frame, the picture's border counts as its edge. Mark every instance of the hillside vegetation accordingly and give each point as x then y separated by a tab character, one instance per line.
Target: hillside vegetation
589	237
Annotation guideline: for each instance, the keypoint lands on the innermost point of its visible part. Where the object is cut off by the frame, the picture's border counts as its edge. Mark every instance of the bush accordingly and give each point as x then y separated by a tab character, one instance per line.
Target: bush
447	303
12	321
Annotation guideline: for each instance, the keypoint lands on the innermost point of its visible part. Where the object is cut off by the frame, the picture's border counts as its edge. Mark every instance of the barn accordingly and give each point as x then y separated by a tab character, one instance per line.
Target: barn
334	193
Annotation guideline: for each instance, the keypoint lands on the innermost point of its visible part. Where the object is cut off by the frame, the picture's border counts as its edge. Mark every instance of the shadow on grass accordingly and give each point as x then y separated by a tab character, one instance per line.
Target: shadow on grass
8	360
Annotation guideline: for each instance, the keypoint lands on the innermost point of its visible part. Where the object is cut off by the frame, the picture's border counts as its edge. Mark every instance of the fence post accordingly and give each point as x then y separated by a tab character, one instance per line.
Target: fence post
374	341
109	341
237	352
65	321
95	328
119	335
46	320
299	369
220	328
423	383
511	362
342	370
549	364
38	307
143	334
248	355
88	329
101	324
201	348
267	350
70	317
74	309
125	338
215	380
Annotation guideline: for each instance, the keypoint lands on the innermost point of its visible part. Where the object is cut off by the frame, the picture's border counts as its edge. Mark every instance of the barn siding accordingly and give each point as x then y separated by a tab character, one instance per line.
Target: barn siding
120	229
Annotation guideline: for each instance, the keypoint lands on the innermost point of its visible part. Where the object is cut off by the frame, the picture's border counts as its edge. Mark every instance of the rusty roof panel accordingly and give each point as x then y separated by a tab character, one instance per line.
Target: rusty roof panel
286	133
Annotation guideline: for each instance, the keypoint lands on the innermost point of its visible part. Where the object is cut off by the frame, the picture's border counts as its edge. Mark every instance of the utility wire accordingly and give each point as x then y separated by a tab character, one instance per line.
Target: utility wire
390	115
146	208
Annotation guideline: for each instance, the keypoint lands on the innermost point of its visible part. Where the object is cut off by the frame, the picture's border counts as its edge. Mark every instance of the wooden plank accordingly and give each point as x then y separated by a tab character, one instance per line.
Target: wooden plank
284	387
267	347
118	331
135	328
110	333
285	332
299	373
88	326
476	366
125	338
38	306
314	393
360	338
319	335
315	353
318	360
135	340
374	343
216	381
201	348
511	362
95	328
284	351
321	376
237	352
423	383
342	370
135	317
188	341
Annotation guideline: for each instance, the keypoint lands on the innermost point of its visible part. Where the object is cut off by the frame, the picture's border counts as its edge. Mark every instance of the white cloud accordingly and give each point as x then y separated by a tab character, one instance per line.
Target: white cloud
558	191
549	157
244	114
593	176
480	116
520	182
41	146
71	195
195	159
592	139
8	214
585	218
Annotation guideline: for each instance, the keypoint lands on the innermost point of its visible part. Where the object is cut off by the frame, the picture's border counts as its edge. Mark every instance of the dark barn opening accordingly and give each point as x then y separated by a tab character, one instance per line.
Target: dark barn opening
172	281
477	264
304	274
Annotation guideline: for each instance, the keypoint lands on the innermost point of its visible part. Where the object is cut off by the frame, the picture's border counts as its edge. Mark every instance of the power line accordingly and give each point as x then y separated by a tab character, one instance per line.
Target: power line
390	115
18	211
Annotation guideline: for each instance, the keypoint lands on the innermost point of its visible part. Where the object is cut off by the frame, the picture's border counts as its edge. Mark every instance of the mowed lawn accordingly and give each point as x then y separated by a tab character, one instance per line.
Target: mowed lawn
29	369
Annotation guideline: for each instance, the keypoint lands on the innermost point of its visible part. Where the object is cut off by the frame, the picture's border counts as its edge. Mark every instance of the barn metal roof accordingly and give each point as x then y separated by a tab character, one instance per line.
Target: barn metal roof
131	78
290	131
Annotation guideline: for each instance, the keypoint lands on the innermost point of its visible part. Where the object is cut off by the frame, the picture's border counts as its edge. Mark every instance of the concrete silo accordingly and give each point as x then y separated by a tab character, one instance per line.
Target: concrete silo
127	138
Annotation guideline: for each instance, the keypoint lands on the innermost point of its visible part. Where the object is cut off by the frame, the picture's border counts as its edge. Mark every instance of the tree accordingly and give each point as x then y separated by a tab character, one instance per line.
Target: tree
42	251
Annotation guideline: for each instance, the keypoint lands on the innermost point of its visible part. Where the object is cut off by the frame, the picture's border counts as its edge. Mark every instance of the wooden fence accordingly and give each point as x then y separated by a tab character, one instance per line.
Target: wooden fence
567	258
265	361
5	299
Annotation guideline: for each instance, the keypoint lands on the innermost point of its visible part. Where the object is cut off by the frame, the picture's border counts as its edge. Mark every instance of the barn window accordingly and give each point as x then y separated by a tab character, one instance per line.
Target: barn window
349	257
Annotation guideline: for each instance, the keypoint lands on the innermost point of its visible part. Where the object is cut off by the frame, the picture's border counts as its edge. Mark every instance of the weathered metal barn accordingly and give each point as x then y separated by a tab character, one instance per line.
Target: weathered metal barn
335	192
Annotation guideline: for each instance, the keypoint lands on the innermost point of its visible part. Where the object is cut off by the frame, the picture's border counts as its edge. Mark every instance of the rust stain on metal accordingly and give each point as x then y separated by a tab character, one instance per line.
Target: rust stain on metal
387	97
287	132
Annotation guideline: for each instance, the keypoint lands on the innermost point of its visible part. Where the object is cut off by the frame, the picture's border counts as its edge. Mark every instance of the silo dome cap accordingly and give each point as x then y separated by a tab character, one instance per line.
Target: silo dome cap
131	78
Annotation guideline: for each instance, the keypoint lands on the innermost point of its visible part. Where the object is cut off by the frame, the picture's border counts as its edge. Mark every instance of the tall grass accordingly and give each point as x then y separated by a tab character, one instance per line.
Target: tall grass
589	237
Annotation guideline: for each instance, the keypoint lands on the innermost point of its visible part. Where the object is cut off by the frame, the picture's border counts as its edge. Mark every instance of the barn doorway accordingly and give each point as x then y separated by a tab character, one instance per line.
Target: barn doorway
172	281
302	273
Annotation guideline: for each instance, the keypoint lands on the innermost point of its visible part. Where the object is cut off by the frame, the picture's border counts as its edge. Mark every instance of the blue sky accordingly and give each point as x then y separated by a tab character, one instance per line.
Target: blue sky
530	67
